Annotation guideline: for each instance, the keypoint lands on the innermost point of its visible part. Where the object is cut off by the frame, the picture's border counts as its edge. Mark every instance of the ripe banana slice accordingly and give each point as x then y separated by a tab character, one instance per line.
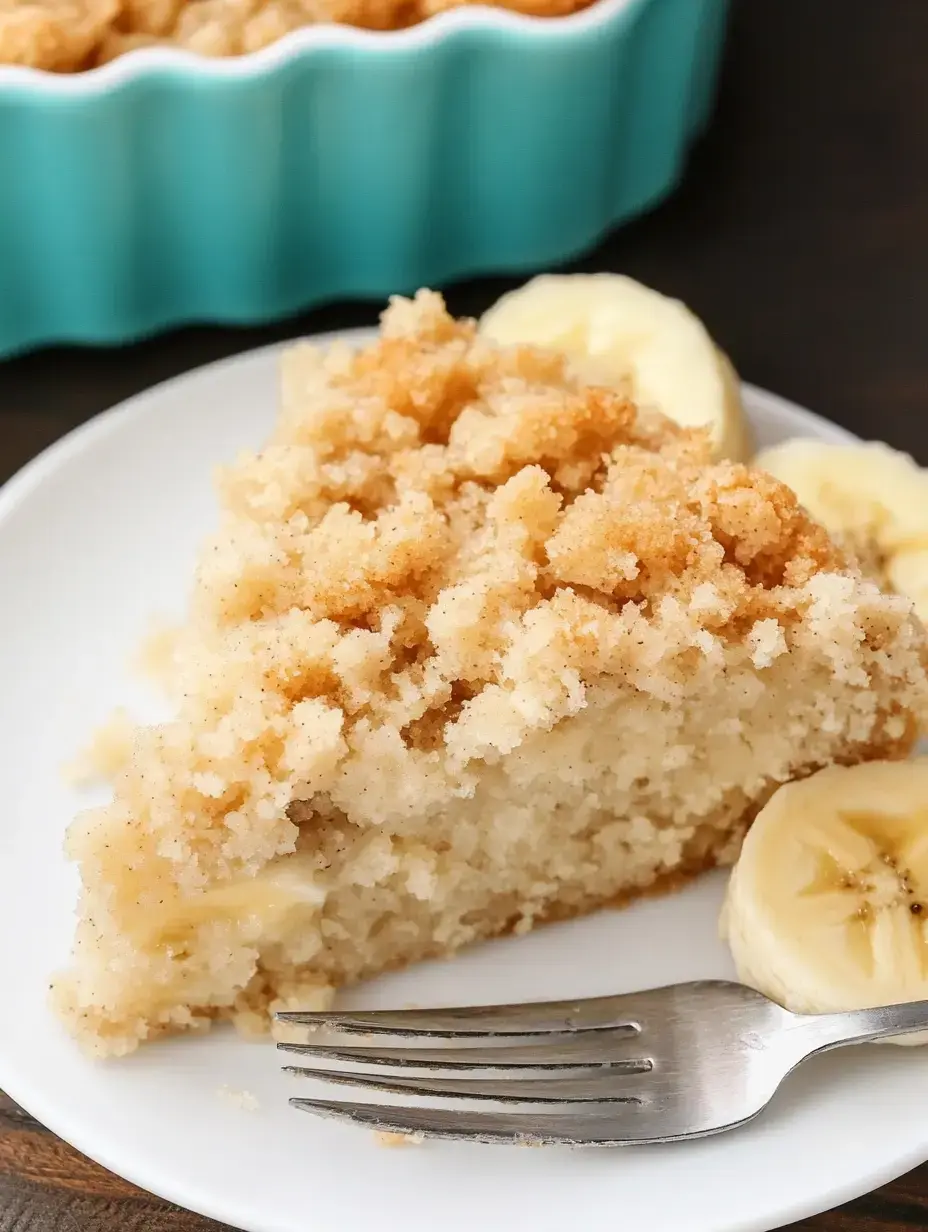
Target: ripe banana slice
869	495
623	333
827	907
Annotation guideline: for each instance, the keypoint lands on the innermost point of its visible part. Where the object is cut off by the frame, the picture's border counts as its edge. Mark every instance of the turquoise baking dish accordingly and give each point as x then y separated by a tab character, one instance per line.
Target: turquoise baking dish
167	188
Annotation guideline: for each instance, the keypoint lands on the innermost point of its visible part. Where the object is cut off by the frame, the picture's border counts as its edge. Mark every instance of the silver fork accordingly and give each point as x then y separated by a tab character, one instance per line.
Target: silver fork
660	1066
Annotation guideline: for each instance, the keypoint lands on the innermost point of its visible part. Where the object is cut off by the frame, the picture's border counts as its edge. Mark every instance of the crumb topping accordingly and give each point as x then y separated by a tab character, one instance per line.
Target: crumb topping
432	466
441	547
59	35
71	35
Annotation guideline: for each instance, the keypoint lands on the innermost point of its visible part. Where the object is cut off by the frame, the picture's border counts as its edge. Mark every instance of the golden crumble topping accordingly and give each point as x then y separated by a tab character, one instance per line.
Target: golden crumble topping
433	461
70	35
60	35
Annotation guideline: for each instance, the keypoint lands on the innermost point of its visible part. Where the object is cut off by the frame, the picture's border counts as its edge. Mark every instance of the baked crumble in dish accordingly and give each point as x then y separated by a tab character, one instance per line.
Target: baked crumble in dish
71	35
475	646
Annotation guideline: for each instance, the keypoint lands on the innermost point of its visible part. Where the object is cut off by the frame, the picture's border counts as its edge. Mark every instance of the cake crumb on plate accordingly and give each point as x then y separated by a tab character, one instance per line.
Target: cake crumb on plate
239	1099
392	1140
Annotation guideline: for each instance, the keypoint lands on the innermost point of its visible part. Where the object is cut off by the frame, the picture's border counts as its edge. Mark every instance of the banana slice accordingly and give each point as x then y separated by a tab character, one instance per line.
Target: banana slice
872	497
827	907
623	333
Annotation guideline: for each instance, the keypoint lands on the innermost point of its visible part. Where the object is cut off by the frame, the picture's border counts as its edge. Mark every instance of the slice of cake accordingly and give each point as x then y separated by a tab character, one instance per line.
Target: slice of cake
474	647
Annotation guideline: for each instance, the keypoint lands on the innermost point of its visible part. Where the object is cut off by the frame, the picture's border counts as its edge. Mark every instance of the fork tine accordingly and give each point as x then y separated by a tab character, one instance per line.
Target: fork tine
589	1125
595	1052
603	1088
533	1018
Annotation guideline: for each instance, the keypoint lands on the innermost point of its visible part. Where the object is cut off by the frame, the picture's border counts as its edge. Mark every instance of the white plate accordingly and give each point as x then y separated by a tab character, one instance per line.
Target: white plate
97	536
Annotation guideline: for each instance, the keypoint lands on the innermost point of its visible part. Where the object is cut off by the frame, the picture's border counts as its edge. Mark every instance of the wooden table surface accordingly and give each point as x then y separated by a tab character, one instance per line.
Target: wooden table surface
800	235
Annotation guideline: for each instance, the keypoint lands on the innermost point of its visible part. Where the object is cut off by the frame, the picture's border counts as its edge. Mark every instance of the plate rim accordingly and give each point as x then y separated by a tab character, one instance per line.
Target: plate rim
83	437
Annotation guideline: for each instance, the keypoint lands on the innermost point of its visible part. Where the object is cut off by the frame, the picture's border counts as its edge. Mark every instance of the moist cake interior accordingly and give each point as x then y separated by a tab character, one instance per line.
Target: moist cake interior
475	645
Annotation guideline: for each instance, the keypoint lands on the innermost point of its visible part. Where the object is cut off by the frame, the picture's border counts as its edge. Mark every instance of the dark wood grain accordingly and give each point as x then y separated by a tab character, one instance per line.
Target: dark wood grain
800	235
45	1185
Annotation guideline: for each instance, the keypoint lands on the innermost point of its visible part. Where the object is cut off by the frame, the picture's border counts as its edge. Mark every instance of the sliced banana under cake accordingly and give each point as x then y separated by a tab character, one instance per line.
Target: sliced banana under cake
475	646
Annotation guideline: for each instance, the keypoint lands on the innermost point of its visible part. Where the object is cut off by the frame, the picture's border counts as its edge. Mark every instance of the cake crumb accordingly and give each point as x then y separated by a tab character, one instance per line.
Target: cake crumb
154	659
385	1138
244	1100
767	642
106	755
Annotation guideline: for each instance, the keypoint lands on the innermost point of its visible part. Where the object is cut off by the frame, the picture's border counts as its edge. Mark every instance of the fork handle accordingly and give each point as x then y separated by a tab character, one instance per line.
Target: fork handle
820	1032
